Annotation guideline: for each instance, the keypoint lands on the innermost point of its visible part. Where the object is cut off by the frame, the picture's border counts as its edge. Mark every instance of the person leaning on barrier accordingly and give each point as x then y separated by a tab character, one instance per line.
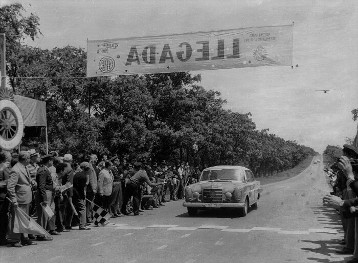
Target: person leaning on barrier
345	164
133	187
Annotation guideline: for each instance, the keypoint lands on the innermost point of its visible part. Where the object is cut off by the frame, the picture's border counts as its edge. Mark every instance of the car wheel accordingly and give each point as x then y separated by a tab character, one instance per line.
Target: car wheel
192	211
11	125
245	209
254	206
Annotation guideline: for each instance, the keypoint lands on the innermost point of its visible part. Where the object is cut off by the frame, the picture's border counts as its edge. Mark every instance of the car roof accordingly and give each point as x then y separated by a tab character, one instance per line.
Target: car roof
241	168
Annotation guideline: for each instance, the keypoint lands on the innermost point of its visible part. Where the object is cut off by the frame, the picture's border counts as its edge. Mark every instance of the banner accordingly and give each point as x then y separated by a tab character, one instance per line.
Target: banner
237	48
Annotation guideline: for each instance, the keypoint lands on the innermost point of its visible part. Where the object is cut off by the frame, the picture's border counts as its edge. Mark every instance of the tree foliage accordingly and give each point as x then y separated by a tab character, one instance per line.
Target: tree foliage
157	116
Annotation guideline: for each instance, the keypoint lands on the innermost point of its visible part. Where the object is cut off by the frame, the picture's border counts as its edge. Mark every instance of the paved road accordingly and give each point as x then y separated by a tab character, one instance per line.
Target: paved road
290	225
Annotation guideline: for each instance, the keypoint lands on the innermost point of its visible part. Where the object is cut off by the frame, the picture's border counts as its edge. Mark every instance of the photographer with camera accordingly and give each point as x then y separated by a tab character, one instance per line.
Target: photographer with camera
348	165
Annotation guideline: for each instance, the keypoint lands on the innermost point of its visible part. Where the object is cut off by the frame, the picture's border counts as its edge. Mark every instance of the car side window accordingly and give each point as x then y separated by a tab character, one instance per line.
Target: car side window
249	176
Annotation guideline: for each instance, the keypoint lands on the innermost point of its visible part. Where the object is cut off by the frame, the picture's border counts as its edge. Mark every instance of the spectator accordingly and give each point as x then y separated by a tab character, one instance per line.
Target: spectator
45	197
105	185
133	187
349	152
5	159
68	178
92	188
80	182
61	199
19	190
116	196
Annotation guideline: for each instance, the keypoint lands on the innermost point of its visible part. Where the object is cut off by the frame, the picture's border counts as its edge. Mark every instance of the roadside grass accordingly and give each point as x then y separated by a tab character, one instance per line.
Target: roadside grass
286	174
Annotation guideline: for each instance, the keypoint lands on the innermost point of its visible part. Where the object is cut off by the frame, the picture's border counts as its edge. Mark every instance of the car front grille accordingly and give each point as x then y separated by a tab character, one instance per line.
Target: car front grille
212	196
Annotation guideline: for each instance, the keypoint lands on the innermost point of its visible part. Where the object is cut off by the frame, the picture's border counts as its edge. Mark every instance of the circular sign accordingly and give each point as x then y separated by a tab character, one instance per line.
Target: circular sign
106	64
11	125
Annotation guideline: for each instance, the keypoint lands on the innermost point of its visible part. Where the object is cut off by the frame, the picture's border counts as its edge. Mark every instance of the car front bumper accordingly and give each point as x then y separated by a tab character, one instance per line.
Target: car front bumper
213	205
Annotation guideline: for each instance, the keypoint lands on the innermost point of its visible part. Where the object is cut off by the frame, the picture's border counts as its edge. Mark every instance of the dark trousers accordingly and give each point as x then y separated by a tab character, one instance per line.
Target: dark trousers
67	212
42	218
116	198
90	195
4	219
59	220
80	206
133	190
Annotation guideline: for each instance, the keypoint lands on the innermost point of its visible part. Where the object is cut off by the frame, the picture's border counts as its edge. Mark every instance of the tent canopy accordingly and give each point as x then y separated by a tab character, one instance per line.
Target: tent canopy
33	111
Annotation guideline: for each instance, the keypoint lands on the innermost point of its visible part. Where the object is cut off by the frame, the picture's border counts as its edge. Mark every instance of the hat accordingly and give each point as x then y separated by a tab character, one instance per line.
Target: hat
351	147
67	157
85	165
137	164
47	158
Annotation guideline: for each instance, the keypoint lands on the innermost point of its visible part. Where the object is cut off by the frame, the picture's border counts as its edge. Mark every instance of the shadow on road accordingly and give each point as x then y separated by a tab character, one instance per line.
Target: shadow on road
330	220
215	213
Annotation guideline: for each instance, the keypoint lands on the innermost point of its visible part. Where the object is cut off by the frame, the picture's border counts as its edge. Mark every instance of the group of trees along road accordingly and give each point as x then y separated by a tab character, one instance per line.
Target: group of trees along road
162	116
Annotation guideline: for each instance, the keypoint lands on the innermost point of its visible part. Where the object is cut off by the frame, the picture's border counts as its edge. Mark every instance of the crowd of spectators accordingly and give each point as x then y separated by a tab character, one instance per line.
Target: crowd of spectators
343	175
70	188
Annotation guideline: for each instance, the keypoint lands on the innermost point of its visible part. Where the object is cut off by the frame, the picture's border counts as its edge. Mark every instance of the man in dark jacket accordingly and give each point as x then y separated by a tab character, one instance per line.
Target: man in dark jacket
45	197
80	182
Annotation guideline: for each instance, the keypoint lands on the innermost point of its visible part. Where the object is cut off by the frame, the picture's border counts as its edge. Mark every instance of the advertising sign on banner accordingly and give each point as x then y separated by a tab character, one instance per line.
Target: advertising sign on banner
237	48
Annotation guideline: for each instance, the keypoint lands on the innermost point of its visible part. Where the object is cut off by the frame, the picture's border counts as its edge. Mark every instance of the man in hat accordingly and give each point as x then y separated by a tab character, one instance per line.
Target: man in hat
19	191
80	182
32	167
133	187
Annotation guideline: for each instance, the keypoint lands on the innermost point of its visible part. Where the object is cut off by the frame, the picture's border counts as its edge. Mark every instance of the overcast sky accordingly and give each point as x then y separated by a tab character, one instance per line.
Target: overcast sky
282	99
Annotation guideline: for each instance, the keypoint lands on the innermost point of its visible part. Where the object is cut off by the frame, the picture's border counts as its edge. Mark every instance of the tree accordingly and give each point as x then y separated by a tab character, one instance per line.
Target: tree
17	27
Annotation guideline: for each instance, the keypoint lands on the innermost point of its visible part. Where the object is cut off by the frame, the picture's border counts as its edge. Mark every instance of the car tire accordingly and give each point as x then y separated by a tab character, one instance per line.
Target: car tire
245	209
12	125
192	211
254	206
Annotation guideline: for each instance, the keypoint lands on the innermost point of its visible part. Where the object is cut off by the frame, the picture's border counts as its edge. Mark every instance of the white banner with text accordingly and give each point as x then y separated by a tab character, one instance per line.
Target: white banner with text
237	48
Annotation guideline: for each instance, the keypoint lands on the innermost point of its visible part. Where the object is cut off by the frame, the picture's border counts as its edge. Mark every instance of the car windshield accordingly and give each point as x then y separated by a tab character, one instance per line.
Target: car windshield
221	174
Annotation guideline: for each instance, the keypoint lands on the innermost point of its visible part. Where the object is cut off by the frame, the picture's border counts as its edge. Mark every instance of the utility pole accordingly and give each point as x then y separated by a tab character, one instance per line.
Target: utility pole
3	60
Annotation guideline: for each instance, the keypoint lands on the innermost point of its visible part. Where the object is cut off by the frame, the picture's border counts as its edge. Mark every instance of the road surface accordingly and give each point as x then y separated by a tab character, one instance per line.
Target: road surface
289	225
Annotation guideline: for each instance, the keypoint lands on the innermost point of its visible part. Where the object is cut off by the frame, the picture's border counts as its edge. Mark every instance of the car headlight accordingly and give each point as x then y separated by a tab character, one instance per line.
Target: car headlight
228	196
236	195
188	194
196	196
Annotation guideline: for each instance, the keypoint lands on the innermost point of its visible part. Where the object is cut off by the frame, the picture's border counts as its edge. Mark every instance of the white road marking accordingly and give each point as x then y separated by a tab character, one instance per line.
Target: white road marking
266	228
293	232
183	228
97	244
163	226
128	234
162	247
190	261
330	231
132	261
186	235
130	227
212	227
236	230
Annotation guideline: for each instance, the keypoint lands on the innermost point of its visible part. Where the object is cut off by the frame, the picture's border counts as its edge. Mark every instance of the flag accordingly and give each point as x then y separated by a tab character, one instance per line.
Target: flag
23	223
48	211
100	215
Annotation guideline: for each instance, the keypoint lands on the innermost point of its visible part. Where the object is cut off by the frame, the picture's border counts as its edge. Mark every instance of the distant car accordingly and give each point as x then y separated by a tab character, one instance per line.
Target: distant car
223	187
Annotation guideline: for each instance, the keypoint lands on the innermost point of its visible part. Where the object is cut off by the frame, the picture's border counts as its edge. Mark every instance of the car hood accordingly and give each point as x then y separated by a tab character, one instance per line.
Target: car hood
226	186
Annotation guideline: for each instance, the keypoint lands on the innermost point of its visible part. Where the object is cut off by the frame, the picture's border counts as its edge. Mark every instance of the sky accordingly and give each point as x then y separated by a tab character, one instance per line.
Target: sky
282	99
